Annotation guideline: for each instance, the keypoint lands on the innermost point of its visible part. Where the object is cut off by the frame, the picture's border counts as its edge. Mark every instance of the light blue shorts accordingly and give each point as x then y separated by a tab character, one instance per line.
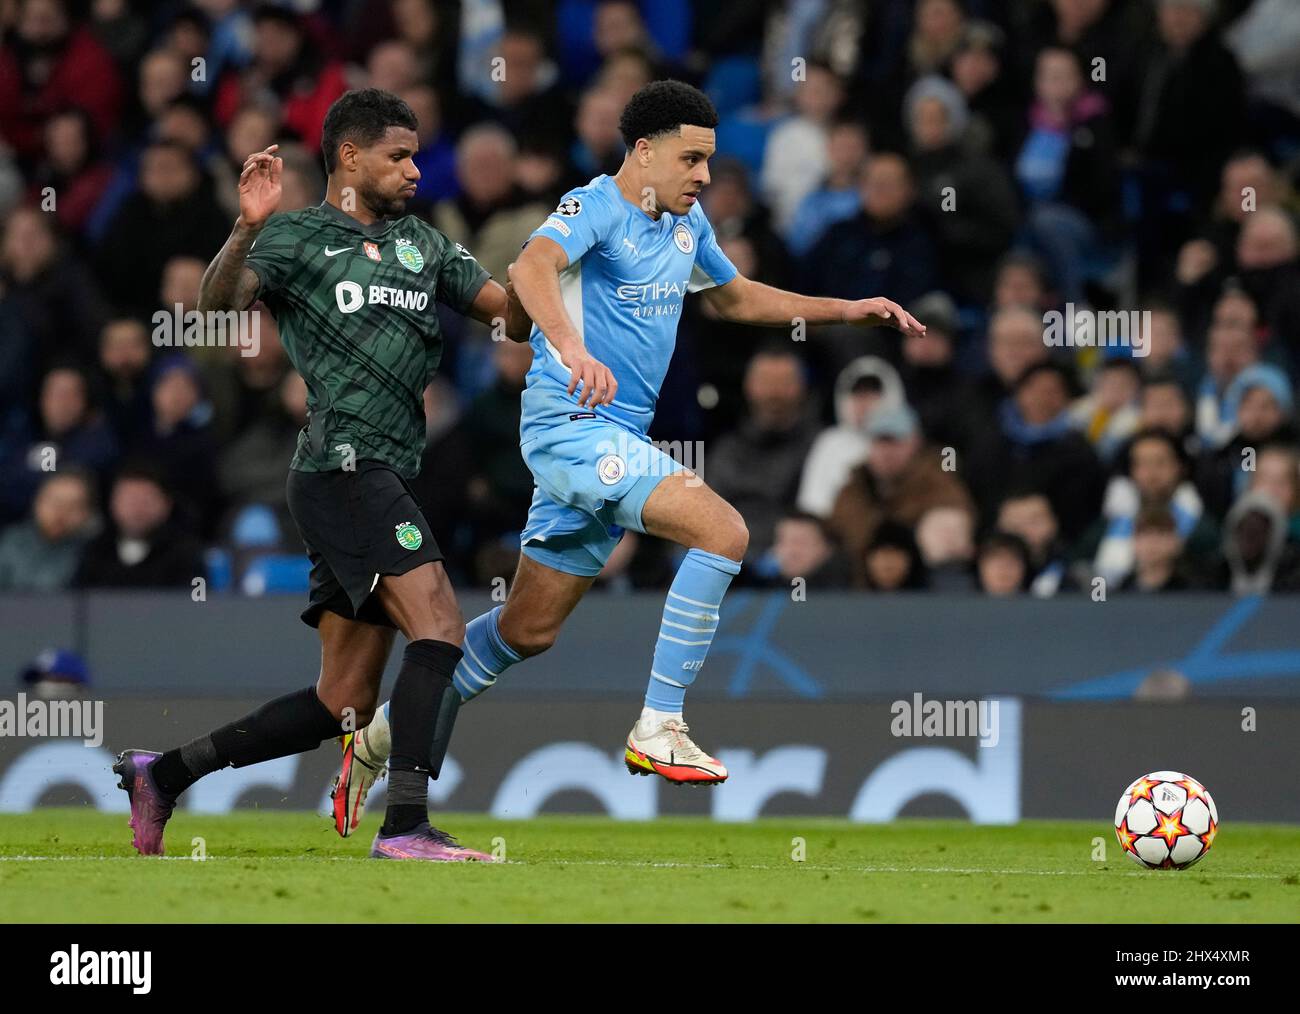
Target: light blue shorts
593	479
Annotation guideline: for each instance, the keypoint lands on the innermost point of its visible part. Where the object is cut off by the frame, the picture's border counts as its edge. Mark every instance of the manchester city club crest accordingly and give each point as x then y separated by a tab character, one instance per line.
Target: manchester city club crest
611	469
409	256
683	238
408	536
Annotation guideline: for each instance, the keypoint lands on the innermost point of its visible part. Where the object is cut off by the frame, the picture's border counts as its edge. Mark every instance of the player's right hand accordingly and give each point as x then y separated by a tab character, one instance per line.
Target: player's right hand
259	186
590	377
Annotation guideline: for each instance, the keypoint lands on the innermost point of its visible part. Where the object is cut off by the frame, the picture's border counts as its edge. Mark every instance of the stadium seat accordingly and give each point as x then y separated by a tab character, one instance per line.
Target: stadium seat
276	573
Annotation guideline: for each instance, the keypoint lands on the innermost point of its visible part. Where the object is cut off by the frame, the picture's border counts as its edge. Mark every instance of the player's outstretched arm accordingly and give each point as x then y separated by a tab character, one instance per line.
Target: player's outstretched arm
228	284
536	278
746	301
495	304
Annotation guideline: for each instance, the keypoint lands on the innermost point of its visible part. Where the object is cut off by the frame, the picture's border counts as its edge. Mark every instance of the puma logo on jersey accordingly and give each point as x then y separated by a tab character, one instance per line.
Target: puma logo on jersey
335	253
631	246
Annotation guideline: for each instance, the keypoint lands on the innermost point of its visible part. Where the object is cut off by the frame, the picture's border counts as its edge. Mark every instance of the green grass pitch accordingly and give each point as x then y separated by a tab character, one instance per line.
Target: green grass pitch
78	866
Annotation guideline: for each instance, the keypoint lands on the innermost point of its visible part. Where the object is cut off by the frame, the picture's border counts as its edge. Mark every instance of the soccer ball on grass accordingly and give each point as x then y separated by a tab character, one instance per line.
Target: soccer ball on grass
1166	821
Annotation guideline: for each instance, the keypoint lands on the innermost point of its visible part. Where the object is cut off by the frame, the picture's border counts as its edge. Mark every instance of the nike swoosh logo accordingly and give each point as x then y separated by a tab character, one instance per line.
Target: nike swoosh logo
335	253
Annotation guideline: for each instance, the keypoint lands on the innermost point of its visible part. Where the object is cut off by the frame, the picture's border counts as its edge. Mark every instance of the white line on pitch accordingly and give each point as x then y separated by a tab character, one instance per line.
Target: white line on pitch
646	864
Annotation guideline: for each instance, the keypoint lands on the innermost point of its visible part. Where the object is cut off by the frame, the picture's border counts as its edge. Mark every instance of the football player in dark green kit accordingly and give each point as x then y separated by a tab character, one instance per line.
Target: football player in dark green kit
352	284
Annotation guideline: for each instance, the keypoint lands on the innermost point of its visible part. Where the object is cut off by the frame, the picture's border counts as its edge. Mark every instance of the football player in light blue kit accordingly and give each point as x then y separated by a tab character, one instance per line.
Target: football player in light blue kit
603	279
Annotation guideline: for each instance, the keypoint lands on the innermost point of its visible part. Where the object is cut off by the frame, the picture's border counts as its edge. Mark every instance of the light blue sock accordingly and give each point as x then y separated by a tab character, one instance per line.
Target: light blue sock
689	623
487	656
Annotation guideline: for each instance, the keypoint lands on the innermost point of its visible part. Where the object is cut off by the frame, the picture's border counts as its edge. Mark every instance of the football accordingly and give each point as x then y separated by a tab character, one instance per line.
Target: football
1166	821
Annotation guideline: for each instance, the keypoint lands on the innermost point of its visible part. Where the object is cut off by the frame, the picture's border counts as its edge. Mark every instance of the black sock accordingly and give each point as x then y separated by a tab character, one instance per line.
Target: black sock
287	725
421	724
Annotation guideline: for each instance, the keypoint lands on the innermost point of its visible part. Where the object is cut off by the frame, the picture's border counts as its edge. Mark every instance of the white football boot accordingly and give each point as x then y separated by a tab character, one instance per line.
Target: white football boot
365	761
664	749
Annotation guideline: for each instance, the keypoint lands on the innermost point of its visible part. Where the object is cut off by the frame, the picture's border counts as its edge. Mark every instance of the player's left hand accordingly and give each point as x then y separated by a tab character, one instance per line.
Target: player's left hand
881	312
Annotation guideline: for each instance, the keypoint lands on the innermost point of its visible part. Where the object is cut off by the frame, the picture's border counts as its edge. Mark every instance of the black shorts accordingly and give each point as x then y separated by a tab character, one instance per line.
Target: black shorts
357	526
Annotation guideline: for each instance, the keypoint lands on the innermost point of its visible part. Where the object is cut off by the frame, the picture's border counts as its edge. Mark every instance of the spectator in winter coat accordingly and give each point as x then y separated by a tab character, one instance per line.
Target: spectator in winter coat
863	387
900	481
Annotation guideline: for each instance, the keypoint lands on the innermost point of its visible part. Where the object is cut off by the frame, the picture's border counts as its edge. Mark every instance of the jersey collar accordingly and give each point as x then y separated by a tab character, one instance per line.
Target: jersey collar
375	228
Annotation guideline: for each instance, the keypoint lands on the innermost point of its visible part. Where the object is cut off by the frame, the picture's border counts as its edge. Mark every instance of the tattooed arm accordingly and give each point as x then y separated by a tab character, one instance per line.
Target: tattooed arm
228	283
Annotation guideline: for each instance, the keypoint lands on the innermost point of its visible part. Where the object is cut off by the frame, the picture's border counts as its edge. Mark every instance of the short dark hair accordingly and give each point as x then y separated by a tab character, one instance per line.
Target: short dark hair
362	117
662	107
1175	446
999	541
1059	370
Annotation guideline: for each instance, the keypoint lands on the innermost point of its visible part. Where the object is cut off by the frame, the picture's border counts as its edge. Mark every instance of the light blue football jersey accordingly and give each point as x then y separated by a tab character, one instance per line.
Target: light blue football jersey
623	289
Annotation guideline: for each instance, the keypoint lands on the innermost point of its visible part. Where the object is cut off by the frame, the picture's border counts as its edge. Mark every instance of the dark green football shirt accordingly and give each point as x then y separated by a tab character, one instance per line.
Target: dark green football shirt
355	308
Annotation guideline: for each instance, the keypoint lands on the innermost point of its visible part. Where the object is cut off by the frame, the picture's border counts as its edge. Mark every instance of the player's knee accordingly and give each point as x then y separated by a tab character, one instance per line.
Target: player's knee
530	642
729	539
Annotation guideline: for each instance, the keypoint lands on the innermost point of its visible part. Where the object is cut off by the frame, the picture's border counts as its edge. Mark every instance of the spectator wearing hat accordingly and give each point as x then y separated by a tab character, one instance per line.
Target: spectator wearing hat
144	546
56	674
1158	561
1261	403
966	195
1035	446
863	387
42	554
901	479
1257	559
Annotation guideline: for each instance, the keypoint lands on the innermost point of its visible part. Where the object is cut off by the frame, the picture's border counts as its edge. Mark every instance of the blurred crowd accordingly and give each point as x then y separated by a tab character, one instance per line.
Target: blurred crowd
983	163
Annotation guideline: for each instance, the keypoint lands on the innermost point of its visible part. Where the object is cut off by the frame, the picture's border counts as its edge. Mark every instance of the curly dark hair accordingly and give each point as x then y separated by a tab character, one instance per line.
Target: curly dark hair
362	117
661	107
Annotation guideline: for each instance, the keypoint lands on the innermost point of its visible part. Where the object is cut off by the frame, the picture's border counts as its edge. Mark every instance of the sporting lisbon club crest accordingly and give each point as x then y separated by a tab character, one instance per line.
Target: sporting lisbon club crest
409	256
408	536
